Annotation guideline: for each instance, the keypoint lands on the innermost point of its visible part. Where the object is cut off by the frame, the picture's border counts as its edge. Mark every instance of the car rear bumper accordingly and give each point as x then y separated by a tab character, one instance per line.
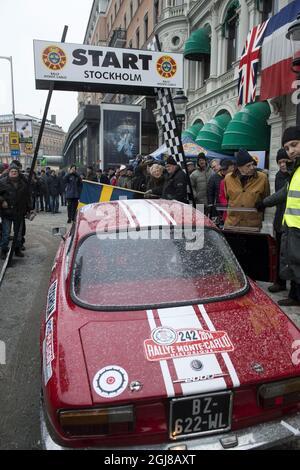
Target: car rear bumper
261	436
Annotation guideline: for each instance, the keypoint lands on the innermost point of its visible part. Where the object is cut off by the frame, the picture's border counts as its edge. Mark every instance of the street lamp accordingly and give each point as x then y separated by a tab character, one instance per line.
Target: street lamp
293	34
180	103
12	89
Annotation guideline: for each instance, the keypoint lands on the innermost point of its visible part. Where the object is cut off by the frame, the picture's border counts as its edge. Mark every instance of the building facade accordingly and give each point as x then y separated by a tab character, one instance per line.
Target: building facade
51	144
121	24
211	83
211	79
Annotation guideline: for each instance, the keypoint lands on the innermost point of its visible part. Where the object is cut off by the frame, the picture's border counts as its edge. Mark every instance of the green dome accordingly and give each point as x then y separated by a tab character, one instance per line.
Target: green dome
211	134
249	128
197	45
193	130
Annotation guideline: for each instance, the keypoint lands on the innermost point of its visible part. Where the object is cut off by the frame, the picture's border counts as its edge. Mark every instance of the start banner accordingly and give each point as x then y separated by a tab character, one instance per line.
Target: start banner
105	69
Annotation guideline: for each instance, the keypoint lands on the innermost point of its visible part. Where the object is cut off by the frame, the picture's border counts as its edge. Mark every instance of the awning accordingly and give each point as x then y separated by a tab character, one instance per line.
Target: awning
197	45
211	134
249	128
191	151
193	131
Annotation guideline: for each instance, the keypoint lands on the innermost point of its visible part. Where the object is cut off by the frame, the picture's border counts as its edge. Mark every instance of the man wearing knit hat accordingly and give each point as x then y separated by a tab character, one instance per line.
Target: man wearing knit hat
243	188
15	202
290	239
199	180
175	186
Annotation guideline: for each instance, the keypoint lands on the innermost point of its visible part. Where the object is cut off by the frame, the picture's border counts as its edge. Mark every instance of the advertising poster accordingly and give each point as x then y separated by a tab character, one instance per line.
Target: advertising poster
24	128
121	134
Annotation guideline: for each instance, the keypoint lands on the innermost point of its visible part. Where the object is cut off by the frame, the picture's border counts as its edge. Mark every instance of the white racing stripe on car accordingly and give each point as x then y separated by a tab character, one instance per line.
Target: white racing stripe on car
127	213
146	214
161	209
163	364
227	360
184	318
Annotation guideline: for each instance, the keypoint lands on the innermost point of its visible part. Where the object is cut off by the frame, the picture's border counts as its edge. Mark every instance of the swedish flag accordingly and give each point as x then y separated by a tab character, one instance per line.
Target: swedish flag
98	192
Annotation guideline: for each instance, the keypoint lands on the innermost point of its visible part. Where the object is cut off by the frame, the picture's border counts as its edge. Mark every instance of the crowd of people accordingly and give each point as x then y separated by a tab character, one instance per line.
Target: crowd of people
233	192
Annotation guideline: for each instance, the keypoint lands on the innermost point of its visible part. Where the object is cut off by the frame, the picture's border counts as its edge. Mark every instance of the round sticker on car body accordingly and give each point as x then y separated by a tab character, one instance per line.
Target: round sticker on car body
110	381
164	335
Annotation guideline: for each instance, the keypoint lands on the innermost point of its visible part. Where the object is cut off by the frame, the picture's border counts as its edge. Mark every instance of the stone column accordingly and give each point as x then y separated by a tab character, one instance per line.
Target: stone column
253	14
220	58
214	43
243	26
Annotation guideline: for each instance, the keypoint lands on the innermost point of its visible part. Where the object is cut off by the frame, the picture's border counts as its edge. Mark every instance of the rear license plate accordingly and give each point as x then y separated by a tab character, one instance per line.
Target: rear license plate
202	414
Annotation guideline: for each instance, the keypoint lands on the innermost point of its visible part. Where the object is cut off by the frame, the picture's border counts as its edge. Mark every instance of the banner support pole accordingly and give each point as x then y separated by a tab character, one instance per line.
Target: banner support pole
39	139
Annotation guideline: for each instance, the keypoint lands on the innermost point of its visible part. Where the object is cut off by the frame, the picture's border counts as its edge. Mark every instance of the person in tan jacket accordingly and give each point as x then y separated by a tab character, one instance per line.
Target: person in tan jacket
243	188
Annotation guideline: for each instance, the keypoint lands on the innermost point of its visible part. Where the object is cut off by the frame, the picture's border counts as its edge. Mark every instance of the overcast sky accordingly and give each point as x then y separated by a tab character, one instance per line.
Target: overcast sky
21	21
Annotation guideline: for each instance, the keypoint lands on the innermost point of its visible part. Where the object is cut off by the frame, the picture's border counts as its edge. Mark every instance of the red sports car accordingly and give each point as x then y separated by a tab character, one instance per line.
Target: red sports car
154	337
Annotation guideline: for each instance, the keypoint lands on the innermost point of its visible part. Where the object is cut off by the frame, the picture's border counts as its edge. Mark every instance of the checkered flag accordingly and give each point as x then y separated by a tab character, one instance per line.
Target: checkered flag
167	116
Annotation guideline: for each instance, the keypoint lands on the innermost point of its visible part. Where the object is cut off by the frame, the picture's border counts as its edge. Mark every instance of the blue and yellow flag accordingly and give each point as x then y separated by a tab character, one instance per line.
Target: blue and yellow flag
97	192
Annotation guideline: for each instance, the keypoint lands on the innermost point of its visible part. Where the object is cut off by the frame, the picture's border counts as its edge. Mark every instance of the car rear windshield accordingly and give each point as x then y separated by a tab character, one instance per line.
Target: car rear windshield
150	270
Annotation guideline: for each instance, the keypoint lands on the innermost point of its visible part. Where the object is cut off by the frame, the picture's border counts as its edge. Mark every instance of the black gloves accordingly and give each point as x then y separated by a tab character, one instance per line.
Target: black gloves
259	205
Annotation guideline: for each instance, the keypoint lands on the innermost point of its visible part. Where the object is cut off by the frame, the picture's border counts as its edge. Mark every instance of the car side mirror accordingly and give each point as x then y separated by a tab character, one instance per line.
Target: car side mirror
59	232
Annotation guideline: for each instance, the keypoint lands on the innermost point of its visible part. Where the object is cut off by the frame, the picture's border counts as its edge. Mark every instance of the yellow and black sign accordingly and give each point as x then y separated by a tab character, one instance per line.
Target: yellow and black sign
14	141
28	148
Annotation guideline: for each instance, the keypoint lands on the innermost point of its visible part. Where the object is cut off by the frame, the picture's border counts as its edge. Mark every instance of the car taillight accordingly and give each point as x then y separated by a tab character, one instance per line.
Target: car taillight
279	394
97	421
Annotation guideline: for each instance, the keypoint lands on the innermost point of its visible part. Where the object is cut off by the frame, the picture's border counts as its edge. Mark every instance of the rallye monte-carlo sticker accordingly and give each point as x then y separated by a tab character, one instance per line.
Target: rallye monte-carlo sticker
194	369
168	343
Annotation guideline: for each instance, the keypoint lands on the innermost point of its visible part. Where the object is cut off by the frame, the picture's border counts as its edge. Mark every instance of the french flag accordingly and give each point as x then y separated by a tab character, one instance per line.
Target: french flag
276	54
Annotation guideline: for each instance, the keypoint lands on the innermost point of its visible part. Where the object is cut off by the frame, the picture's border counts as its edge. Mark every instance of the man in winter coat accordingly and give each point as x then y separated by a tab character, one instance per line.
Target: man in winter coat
281	179
54	187
90	175
15	202
102	177
290	238
175	186
243	188
73	190
199	179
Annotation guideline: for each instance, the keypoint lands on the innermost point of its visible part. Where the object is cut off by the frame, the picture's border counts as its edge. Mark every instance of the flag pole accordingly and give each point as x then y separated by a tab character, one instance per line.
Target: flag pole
39	139
178	136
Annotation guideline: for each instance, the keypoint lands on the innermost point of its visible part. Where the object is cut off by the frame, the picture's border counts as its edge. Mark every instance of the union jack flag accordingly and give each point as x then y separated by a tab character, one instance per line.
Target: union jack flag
249	64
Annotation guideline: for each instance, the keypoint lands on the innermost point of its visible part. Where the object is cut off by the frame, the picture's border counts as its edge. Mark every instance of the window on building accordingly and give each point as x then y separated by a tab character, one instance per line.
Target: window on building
206	67
231	33
268	8
130	44
146	27
137	38
175	3
131	10
156	11
125	21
